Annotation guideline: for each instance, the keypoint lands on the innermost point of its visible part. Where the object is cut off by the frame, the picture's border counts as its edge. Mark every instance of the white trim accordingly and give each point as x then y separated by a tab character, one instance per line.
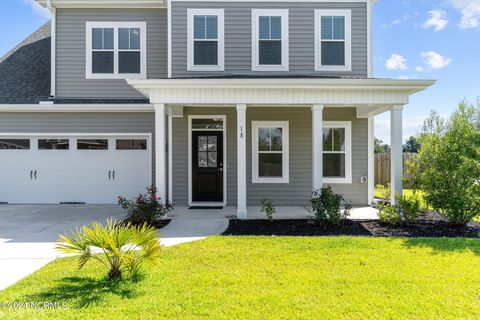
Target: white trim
347	125
317	147
191	13
170	158
89	25
242	211
225	164
371	160
348	40
369	39
105	3
286	91
283	13
285	151
76	107
169	35
53	48
374	1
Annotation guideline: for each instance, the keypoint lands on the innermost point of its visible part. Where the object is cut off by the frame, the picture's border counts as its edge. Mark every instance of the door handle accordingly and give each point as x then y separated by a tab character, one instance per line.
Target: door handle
31	174
109	174
113	174
35	174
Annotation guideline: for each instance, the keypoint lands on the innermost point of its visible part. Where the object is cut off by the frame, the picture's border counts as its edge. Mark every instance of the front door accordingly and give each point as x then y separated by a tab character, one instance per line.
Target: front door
207	166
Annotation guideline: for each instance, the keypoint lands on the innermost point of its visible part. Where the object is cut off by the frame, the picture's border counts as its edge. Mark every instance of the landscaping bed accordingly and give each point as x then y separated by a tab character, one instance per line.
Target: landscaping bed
428	225
162	223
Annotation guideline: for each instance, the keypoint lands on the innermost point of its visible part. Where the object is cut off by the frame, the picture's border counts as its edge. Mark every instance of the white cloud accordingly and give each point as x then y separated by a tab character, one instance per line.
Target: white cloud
396	62
419	69
470	11
438	20
435	60
38	9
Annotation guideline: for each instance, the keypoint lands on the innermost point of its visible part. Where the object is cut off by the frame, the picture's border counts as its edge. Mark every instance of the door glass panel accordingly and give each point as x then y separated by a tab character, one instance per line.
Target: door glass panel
202	159
131	144
207	124
212	159
212	143
202	143
53	144
92	144
14	144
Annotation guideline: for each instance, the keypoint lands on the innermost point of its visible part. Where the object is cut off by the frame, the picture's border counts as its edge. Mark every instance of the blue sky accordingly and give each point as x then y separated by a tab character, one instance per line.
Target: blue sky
415	39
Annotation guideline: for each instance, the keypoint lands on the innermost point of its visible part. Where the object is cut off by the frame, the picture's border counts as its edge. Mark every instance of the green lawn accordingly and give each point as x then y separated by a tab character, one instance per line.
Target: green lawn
272	278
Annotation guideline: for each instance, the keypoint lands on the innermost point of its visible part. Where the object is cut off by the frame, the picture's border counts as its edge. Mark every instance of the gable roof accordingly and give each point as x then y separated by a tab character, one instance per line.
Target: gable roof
25	70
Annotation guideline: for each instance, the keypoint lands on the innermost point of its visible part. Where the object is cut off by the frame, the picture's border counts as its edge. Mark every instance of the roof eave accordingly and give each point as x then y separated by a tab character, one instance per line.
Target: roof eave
150	4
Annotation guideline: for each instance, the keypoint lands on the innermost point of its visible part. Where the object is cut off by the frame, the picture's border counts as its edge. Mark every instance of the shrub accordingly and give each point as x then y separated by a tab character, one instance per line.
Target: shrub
404	211
123	246
145	208
447	168
268	208
326	206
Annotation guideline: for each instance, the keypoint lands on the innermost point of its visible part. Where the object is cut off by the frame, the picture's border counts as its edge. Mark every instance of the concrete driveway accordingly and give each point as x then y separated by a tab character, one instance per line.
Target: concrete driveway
28	234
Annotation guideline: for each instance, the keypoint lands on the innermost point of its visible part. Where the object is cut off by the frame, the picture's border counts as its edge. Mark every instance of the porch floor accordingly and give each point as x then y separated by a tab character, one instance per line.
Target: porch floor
357	213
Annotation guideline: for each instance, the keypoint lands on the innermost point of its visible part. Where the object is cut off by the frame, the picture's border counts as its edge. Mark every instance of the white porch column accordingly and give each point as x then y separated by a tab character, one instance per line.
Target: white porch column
371	160
317	146
396	157
241	161
160	157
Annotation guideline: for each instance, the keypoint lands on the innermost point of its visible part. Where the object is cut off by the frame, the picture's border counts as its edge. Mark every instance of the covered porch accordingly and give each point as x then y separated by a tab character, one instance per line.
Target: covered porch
249	107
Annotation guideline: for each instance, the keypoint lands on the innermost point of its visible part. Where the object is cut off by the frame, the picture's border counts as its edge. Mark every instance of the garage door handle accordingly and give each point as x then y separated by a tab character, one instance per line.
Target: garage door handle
109	174
35	174
113	174
31	173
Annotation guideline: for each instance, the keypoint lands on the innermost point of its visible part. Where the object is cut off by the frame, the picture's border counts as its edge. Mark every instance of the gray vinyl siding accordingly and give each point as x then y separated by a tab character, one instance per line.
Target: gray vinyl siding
70	46
82	122
297	191
238	33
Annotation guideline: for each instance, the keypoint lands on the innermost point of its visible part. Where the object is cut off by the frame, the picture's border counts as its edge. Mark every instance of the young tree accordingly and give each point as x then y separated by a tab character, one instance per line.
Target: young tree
381	147
411	145
447	168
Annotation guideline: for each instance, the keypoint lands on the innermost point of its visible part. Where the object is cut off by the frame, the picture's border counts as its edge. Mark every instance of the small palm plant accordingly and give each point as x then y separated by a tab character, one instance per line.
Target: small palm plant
119	247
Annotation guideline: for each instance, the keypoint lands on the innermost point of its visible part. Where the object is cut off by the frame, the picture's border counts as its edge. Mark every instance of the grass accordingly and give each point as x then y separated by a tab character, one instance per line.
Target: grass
271	278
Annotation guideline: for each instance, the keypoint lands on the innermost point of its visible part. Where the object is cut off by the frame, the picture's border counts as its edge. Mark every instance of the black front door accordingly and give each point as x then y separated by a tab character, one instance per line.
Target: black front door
207	166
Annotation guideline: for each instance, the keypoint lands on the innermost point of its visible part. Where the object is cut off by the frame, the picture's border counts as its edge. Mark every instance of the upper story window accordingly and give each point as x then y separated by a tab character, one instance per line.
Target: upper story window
116	50
205	47
270	40
333	41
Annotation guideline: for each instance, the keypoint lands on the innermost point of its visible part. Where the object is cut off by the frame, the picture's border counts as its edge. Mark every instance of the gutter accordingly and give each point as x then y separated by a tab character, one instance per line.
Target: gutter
53	47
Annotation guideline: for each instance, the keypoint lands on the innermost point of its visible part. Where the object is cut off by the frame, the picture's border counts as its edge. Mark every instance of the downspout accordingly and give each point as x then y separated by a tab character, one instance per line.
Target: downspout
53	39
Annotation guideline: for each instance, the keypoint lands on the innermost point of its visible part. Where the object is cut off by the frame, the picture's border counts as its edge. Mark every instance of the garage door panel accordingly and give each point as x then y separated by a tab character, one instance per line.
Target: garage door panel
90	176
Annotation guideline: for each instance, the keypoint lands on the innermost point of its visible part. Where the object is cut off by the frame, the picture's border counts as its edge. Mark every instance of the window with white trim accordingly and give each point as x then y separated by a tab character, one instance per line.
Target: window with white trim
115	50
337	152
270	40
205	48
270	152
333	43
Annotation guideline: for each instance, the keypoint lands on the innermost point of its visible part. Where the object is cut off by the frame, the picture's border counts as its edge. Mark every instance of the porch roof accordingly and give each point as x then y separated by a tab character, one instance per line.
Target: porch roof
288	91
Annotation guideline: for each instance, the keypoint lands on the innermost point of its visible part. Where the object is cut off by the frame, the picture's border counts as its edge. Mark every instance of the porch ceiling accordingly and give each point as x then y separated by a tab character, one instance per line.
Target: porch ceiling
283	91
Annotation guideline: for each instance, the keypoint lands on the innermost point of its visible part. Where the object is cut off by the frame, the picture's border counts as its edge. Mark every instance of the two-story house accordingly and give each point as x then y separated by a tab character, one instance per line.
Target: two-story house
217	103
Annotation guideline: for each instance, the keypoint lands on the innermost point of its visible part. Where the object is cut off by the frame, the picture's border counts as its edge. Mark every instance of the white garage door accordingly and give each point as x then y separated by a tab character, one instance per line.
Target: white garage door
73	169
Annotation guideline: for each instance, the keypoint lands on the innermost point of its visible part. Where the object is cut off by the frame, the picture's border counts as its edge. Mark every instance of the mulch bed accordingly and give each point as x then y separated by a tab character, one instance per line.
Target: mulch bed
428	225
162	223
